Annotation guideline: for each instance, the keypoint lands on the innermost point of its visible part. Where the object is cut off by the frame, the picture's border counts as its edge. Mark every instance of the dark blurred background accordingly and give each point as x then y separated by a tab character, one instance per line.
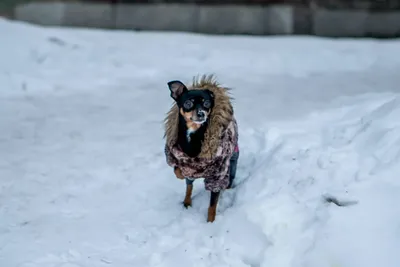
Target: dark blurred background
332	18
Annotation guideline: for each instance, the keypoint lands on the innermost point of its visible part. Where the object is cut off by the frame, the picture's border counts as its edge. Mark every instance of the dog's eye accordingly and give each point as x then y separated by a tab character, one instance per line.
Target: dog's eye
188	104
207	104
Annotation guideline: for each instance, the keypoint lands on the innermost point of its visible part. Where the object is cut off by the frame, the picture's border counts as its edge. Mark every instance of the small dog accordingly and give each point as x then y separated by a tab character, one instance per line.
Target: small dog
202	137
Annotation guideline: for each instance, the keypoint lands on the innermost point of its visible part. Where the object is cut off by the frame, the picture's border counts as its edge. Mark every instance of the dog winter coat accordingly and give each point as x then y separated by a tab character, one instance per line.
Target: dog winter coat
220	140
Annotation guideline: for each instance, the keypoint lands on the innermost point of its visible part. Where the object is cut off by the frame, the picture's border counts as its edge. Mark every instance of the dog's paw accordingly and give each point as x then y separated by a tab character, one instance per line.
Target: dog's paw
211	214
178	173
231	186
187	203
211	219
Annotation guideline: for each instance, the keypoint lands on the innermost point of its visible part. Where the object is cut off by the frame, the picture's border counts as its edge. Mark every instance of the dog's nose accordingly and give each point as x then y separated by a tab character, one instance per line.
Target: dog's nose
201	113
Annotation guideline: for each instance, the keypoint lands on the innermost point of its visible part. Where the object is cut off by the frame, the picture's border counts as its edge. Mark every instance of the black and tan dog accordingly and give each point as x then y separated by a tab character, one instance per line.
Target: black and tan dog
202	137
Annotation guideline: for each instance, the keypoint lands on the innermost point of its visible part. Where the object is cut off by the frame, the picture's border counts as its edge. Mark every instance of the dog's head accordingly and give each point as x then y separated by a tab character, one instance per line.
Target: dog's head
194	105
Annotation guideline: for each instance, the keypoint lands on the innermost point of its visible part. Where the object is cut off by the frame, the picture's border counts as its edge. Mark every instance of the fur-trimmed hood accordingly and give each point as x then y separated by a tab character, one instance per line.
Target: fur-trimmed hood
220	117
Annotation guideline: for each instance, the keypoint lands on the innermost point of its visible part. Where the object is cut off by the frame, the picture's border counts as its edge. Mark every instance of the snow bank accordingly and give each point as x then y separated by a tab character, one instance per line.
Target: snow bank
351	153
83	178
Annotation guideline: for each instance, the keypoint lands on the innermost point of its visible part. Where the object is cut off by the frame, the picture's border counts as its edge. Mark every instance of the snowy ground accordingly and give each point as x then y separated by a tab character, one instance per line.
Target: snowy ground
83	178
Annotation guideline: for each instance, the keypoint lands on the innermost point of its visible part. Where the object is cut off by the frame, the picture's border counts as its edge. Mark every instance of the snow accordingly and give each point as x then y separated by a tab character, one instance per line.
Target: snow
83	178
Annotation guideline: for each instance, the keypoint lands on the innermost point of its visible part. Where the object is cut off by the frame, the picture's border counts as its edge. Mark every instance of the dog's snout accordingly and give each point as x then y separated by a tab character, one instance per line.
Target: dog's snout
201	113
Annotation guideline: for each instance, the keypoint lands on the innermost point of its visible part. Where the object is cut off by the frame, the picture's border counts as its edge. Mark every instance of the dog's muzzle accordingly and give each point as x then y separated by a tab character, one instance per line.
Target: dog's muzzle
199	116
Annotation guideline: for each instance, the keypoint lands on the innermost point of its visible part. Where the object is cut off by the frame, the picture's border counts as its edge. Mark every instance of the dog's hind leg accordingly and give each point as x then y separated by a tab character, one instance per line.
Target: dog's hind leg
232	168
187	202
212	209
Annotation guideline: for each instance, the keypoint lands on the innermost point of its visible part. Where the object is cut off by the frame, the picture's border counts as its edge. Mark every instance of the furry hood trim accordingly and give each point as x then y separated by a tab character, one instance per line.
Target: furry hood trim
220	117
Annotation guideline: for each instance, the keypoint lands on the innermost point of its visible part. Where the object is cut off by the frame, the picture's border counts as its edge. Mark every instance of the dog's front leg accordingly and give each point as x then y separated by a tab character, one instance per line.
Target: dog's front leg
212	209
187	202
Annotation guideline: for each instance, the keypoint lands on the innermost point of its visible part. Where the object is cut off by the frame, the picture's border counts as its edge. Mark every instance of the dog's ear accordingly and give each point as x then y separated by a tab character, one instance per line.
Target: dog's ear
177	88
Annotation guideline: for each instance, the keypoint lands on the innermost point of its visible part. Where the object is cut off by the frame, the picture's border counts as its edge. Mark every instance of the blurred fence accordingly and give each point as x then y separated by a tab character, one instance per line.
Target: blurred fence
334	18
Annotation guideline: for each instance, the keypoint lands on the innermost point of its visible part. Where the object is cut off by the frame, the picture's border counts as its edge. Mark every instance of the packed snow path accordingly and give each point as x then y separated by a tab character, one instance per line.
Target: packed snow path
83	178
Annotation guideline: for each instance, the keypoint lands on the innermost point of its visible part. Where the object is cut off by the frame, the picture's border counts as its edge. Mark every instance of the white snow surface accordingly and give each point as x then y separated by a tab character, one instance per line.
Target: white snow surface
83	177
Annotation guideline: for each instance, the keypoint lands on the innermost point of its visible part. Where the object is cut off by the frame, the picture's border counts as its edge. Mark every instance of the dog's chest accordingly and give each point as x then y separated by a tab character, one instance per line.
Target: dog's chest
189	133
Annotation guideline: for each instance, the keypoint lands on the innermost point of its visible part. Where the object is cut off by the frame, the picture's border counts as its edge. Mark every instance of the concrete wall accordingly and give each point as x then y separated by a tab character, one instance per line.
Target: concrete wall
218	19
41	13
